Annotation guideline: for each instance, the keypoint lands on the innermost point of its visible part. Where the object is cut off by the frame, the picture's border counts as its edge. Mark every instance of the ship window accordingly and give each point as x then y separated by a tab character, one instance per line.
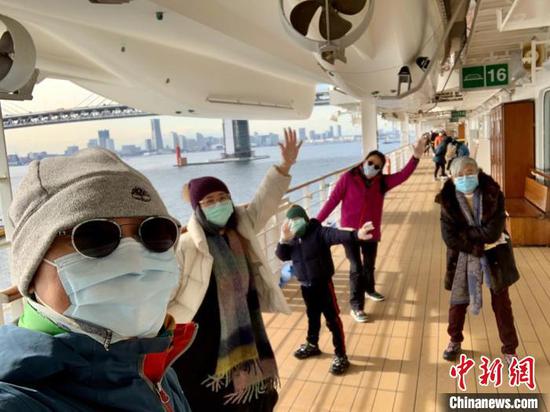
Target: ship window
546	132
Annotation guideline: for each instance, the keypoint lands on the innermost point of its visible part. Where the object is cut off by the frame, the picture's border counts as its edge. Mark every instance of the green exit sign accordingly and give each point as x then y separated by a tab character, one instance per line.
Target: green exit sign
478	77
456	115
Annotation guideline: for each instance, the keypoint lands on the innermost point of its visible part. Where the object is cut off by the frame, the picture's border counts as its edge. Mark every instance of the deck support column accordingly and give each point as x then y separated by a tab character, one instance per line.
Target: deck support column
369	125
16	307
404	122
5	180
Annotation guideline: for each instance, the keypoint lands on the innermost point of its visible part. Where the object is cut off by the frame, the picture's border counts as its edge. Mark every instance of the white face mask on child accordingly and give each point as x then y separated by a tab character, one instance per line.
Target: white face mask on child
298	226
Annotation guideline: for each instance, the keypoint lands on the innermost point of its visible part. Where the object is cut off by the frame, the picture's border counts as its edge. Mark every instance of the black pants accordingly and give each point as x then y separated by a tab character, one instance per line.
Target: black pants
320	298
439	166
361	271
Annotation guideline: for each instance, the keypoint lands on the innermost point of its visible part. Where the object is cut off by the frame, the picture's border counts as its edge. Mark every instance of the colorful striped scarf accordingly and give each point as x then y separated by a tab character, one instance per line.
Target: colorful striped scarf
245	357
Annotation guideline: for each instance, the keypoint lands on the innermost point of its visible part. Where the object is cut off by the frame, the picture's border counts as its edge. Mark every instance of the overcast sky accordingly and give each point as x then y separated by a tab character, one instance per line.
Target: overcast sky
53	94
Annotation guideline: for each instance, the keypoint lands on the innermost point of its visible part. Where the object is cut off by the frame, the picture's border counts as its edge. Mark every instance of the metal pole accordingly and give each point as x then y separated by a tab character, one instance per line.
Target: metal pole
5	181
307	200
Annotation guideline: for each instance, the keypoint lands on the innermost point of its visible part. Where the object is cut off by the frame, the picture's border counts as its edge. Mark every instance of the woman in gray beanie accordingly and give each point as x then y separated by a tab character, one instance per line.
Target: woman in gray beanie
92	248
225	283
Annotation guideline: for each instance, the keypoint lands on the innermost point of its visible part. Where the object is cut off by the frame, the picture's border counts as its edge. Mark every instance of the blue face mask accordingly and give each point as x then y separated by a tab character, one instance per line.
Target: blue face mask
126	292
466	184
219	213
370	171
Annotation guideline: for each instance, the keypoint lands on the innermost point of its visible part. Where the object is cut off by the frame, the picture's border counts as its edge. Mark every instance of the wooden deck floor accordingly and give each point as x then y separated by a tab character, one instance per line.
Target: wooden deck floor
396	356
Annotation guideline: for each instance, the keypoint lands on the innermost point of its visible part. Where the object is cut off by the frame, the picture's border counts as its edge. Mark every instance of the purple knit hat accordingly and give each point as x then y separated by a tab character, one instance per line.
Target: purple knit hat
197	189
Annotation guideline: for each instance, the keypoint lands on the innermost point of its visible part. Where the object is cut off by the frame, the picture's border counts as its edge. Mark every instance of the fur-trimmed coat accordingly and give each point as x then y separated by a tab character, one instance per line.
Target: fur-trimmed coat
460	237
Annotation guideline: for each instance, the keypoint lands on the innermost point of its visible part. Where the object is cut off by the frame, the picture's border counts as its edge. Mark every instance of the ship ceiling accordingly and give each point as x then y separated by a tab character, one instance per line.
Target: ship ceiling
223	58
220	58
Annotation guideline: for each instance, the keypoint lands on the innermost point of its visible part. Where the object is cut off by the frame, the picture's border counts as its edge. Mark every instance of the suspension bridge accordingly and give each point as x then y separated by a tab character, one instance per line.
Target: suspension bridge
94	107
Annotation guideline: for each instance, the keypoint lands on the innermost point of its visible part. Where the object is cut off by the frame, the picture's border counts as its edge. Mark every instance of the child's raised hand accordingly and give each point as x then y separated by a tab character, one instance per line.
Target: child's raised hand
363	233
286	233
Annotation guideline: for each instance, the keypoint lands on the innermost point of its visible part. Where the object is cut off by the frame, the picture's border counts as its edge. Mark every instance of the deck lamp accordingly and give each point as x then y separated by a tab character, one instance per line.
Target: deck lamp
404	76
423	62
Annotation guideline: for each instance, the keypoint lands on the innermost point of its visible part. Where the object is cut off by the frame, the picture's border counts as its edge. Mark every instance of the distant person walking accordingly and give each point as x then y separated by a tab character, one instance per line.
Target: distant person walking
428	136
439	138
361	191
479	251
433	136
439	157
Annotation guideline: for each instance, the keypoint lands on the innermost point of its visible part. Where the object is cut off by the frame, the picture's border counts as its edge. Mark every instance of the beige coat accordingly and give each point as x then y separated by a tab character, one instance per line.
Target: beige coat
196	261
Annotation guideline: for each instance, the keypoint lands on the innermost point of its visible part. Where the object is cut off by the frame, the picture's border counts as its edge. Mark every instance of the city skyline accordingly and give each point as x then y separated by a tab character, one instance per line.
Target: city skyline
236	130
51	94
200	142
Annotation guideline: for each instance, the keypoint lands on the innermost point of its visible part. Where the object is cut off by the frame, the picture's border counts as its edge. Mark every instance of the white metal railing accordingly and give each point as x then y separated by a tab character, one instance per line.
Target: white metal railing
310	195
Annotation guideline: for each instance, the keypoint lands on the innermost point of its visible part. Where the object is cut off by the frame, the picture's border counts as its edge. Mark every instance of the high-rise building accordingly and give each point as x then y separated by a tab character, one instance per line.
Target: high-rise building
176	140
103	138
71	150
156	134
92	143
237	138
270	139
302	133
110	145
339	130
130	150
14	160
330	132
312	135
201	141
184	143
148	145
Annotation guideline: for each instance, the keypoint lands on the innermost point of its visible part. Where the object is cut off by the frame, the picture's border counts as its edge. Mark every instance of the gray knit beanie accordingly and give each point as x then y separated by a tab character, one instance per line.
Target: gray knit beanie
59	192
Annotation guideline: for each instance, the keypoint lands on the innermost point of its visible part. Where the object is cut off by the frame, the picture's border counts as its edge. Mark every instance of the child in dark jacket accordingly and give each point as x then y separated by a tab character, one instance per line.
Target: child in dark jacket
307	243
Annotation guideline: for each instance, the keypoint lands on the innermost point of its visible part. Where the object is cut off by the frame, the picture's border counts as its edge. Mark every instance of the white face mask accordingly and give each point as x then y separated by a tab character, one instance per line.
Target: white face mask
370	171
126	292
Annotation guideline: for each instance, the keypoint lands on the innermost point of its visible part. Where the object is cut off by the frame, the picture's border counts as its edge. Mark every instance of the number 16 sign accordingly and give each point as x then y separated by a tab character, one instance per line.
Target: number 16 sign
481	77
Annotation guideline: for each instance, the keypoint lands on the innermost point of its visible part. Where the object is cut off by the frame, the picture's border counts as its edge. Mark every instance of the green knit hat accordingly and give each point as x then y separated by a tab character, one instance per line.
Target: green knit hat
296	211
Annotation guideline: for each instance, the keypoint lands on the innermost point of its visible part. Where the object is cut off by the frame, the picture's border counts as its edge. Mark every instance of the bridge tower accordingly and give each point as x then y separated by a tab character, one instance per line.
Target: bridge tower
237	139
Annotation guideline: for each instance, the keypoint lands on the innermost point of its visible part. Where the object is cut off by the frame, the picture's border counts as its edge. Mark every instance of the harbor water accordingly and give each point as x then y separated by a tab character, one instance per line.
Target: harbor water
242	178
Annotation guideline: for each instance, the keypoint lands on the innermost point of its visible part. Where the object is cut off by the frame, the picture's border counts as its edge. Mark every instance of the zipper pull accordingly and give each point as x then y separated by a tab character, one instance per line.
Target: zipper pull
164	398
107	341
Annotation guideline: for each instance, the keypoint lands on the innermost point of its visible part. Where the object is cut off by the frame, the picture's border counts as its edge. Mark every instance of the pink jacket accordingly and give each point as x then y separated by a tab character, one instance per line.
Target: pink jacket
360	203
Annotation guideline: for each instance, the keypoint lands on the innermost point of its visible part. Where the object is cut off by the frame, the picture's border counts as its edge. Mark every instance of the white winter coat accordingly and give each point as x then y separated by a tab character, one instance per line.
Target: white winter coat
196	261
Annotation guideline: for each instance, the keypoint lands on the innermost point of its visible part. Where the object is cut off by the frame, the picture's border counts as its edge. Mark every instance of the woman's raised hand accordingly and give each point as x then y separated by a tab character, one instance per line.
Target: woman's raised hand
289	150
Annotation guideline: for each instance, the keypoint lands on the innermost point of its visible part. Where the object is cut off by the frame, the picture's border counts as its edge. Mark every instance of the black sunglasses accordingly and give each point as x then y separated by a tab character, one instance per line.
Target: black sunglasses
371	163
97	238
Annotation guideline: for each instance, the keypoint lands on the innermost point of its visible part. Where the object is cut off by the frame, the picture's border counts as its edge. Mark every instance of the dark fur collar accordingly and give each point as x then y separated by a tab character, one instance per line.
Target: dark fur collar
489	189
